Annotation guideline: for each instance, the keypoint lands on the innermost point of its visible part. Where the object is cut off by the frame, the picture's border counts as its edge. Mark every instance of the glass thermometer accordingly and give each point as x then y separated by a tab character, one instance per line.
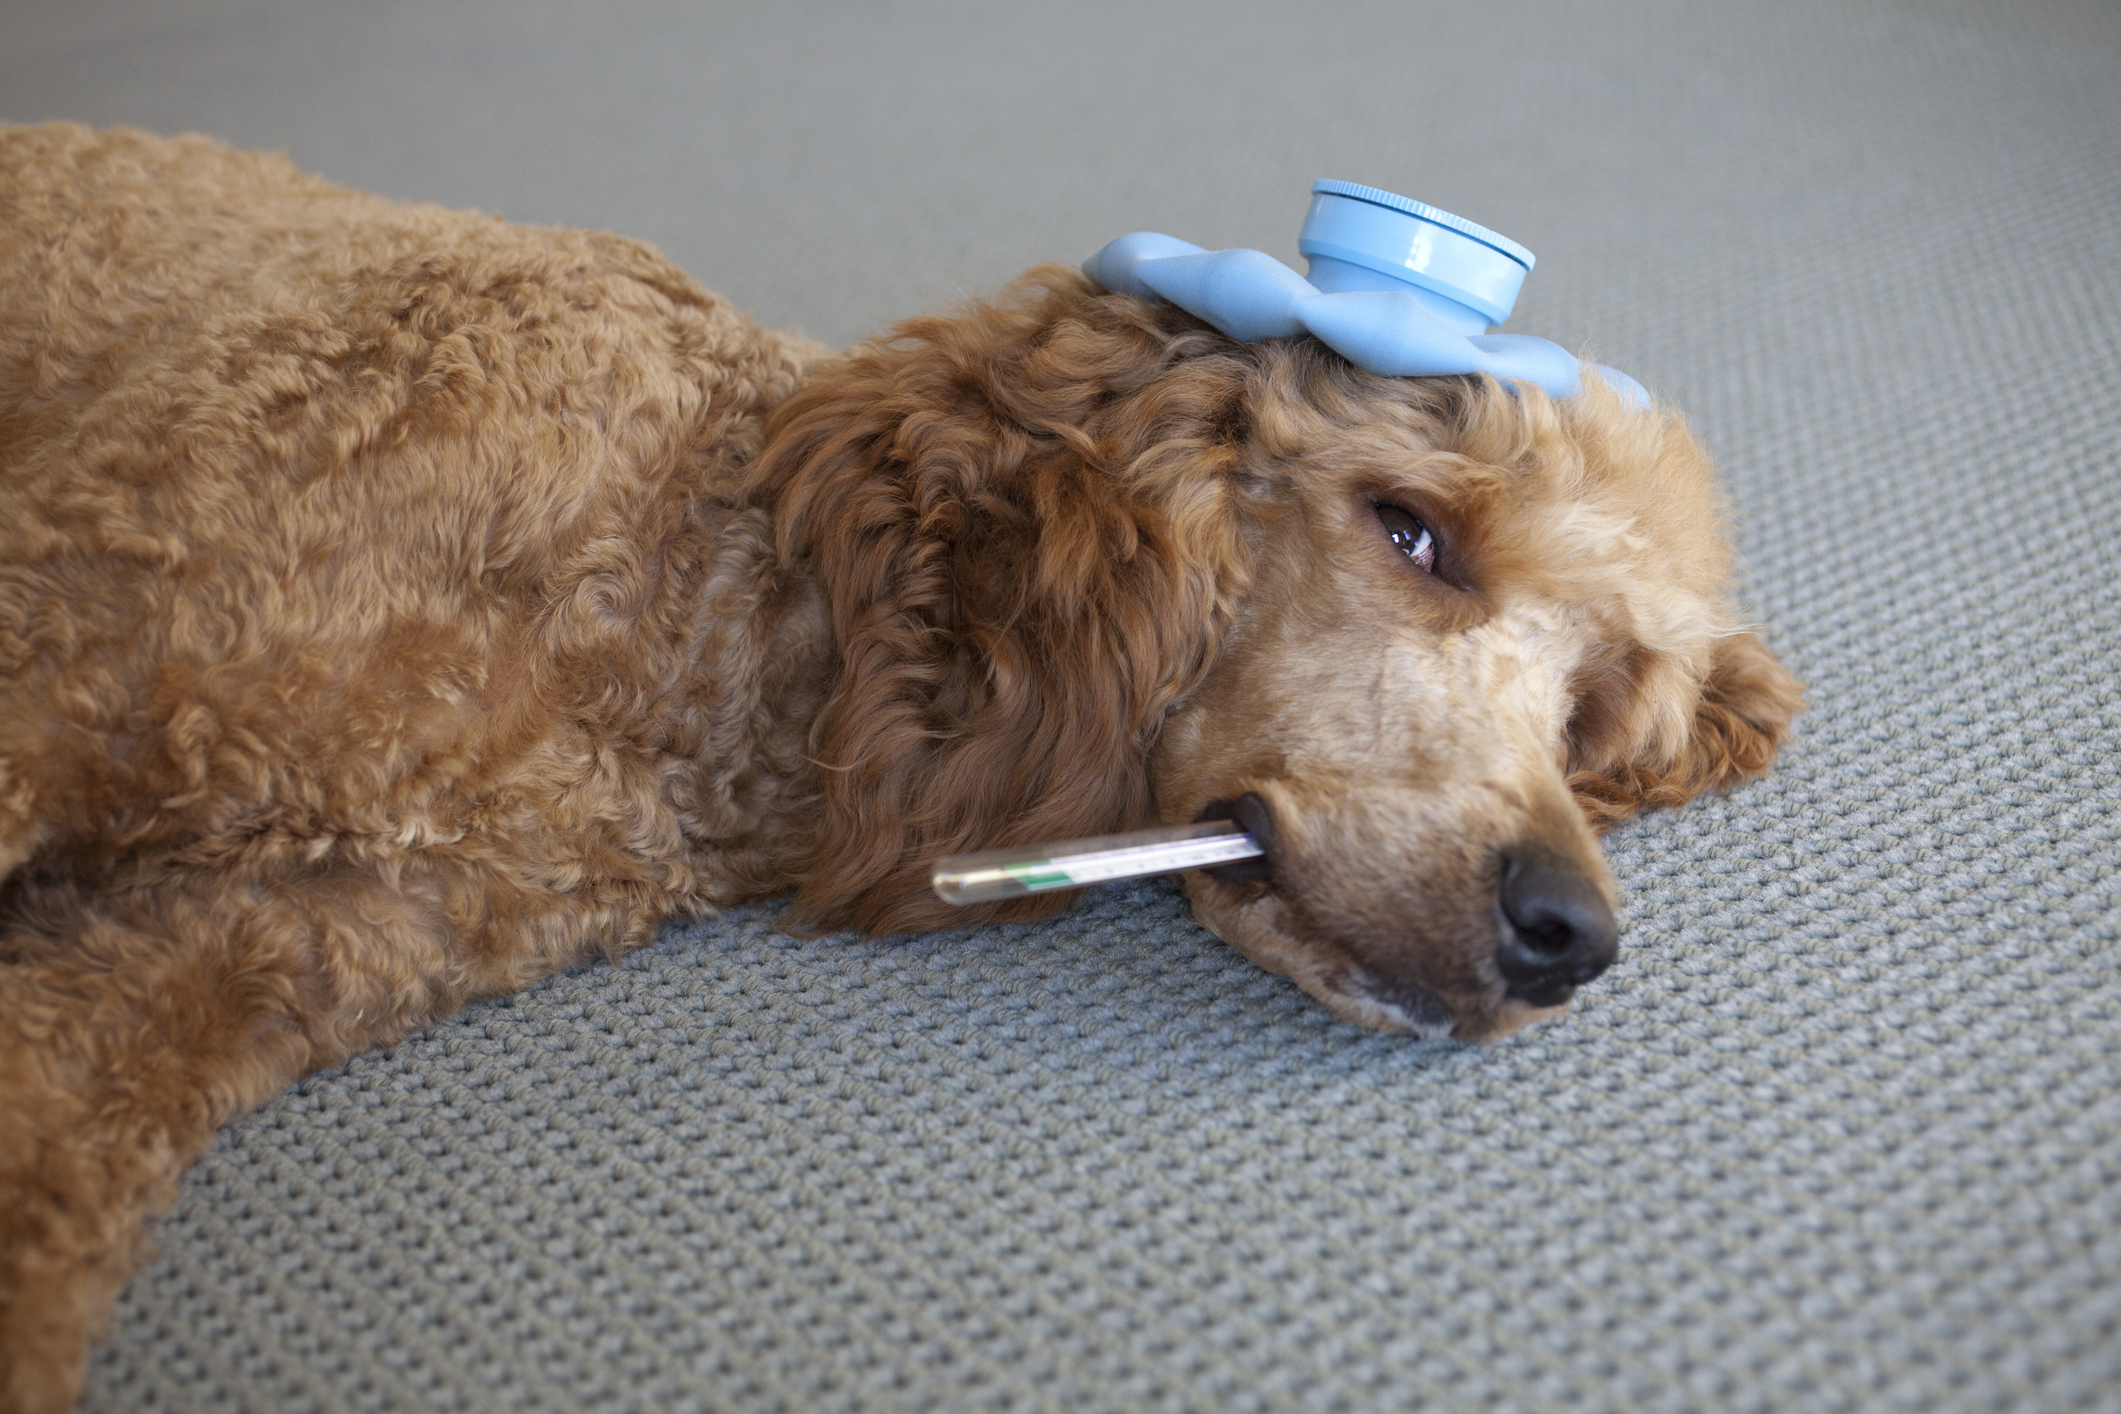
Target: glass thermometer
1033	869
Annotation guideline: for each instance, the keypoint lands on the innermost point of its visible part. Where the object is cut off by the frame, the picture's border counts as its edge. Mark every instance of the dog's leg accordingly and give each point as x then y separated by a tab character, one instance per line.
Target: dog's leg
130	1028
133	1023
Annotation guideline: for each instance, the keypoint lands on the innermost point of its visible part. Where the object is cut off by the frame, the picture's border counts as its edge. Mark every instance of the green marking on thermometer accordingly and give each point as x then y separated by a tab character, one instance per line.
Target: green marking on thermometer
1011	873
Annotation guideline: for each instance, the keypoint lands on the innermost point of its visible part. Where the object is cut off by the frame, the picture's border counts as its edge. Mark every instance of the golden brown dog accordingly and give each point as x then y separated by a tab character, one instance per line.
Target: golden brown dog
397	605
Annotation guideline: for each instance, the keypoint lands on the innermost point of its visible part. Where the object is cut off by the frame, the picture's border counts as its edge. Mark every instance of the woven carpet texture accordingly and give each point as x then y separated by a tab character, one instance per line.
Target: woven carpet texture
1841	1131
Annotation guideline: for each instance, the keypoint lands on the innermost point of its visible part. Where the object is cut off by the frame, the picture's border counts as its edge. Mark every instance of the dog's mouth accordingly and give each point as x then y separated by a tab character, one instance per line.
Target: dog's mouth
1408	1006
1250	813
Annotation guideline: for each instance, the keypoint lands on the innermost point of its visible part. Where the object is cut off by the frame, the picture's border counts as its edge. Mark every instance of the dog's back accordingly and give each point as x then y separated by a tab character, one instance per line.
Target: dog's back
379	485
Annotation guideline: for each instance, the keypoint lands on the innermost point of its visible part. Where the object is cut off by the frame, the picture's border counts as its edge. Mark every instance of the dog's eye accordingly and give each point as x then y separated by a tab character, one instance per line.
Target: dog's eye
1410	535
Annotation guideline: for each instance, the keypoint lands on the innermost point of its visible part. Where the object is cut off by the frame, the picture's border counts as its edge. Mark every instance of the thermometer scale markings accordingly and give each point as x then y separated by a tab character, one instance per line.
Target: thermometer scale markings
1008	873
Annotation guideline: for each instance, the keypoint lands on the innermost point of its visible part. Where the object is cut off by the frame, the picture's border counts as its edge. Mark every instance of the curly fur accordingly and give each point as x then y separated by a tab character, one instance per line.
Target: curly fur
397	605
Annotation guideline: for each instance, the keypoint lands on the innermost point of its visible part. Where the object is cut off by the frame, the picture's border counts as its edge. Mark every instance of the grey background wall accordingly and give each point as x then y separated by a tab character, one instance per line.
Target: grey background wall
1842	1130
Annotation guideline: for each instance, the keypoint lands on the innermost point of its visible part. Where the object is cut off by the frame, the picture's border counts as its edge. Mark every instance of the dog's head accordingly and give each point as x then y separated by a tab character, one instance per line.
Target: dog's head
1091	564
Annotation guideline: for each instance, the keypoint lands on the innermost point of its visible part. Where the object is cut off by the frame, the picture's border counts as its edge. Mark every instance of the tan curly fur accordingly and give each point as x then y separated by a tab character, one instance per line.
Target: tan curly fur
397	605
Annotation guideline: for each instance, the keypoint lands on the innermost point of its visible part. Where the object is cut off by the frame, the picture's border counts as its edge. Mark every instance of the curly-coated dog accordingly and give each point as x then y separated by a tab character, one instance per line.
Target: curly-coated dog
397	605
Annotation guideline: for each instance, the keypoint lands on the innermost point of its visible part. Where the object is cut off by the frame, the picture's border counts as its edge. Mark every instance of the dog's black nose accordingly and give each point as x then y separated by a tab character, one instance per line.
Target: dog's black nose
1558	931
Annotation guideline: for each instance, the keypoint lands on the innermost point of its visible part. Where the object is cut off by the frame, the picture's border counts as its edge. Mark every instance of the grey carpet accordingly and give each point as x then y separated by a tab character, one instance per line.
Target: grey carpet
1842	1131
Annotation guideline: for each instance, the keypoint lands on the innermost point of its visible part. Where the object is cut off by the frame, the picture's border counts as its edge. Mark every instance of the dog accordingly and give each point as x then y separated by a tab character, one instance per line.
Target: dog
398	606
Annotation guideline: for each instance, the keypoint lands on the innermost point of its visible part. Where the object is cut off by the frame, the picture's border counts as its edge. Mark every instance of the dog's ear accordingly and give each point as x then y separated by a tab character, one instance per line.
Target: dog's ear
1023	523
1741	716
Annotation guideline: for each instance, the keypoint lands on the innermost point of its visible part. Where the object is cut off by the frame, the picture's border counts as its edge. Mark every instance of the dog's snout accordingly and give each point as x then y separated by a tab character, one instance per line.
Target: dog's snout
1558	930
1251	812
